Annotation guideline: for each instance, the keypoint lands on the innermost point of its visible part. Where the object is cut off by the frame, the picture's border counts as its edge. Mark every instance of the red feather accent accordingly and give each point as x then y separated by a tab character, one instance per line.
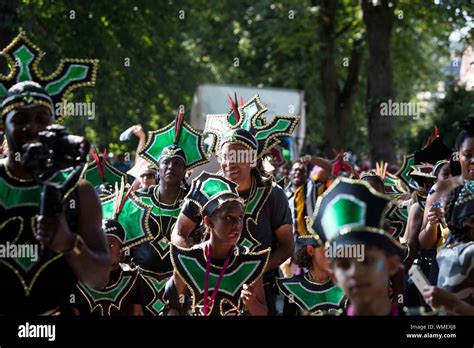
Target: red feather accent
99	163
178	126
234	108
132	188
435	132
242	101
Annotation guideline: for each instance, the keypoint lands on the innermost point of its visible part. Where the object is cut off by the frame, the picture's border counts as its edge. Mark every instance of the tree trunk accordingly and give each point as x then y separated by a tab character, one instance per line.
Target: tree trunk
379	22
337	103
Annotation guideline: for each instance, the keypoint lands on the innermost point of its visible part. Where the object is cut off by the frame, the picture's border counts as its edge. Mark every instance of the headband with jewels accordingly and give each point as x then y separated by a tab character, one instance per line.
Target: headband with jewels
102	175
114	228
437	167
178	139
23	58
210	191
352	212
258	134
310	239
127	211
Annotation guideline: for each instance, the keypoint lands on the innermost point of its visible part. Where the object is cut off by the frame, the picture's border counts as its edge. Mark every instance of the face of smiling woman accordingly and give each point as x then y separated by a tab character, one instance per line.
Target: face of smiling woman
466	158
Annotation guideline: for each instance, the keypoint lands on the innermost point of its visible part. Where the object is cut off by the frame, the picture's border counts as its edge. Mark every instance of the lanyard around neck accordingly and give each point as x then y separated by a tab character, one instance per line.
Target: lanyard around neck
207	302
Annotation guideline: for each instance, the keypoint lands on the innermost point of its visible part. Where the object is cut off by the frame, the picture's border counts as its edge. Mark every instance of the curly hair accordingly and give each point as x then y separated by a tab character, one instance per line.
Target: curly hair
301	257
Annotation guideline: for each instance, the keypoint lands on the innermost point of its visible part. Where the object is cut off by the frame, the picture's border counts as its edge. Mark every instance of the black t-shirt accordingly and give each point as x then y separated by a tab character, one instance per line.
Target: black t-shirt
273	215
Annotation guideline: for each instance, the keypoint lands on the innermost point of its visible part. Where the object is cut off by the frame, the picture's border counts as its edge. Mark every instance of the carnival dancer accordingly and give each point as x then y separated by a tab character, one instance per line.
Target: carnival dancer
429	236
126	224
350	217
312	292
172	150
455	291
244	137
221	276
70	245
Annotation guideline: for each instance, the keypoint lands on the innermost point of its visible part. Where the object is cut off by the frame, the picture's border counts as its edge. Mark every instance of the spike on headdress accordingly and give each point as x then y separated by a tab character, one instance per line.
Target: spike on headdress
381	169
178	125
100	163
234	105
121	196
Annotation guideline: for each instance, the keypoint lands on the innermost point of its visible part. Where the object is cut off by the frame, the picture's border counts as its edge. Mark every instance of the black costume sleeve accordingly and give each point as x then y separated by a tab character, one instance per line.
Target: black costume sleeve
191	210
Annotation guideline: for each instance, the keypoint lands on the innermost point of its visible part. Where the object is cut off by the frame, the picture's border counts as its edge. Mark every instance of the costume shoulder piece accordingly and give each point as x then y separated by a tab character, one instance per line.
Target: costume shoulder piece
251	118
312	298
23	58
244	268
109	301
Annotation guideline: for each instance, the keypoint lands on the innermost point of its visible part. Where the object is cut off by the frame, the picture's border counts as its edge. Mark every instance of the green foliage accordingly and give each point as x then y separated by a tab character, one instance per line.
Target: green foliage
173	46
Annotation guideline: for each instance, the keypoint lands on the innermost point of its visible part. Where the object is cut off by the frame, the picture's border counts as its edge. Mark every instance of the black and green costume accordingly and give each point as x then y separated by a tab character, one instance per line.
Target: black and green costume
40	281
304	296
31	284
245	268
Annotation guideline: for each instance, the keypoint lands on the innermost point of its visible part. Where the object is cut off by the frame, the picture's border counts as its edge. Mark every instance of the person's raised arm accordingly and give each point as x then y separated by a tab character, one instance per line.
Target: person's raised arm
318	161
431	218
284	248
140	134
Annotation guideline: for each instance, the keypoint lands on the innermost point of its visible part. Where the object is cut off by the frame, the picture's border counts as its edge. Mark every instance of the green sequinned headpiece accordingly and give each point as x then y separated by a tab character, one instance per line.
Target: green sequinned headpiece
350	212
132	215
23	58
210	191
250	117
178	139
